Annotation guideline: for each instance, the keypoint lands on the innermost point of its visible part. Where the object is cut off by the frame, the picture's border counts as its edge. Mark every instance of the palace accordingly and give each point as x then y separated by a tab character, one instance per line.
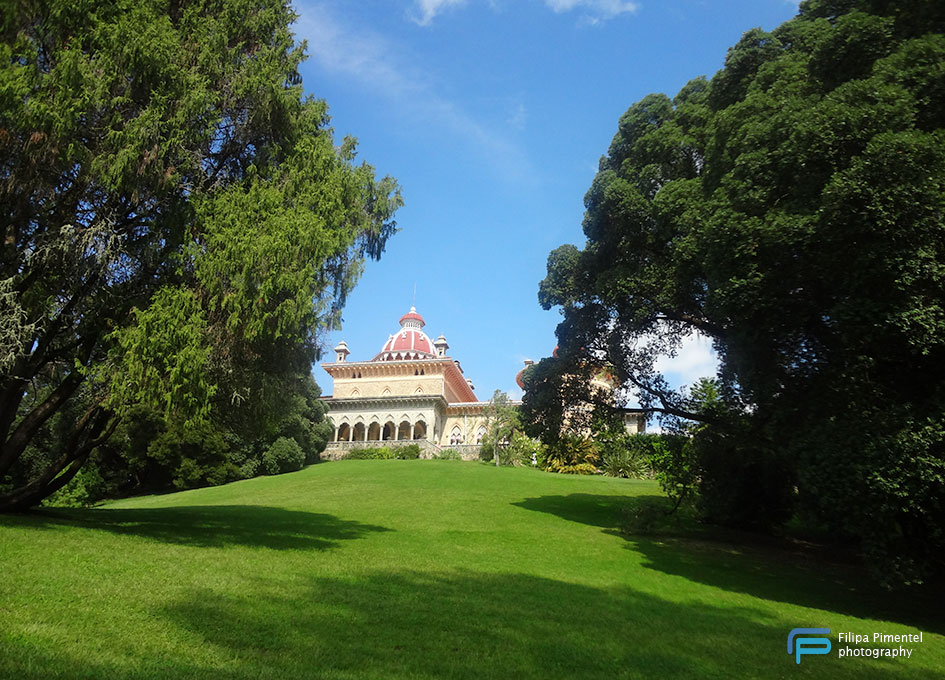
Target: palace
412	390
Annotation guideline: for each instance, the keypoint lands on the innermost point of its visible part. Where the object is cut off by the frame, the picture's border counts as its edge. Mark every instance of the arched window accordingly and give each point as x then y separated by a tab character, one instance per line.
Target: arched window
344	433
374	432
480	434
358	432
403	432
456	436
420	430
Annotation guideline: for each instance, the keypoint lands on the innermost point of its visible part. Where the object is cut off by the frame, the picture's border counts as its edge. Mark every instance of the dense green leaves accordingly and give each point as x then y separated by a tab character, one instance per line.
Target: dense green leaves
178	223
792	210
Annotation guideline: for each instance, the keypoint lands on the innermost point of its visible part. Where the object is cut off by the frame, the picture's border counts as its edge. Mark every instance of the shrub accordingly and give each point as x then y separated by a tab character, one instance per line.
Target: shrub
518	450
522	450
285	455
626	463
675	466
578	469
742	484
195	456
409	452
371	453
450	454
81	491
571	454
250	468
627	455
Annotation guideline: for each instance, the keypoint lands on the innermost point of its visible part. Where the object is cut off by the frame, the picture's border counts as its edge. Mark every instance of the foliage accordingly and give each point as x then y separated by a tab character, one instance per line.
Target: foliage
560	398
522	450
572	454
742	480
408	452
179	225
372	453
126	464
304	418
676	468
722	212
627	455
502	422
83	490
741	483
285	455
449	454
195	456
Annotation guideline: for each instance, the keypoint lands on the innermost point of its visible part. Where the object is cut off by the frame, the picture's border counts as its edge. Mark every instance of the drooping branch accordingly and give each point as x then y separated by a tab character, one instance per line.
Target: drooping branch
667	406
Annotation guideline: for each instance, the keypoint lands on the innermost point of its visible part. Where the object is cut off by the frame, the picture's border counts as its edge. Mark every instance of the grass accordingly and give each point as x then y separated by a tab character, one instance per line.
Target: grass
423	569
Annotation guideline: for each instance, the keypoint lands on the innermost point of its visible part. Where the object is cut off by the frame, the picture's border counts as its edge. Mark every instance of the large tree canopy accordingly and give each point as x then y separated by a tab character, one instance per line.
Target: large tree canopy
178	225
793	210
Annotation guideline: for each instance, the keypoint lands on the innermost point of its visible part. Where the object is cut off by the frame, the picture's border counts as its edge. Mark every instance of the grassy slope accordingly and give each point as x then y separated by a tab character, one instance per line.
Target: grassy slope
418	569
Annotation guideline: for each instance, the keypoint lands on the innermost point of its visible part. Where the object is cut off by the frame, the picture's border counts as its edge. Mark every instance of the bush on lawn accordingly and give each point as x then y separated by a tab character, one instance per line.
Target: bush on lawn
371	453
409	452
572	455
285	455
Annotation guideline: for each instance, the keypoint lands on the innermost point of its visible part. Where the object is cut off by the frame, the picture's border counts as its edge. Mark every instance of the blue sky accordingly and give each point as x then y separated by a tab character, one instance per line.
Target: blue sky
492	115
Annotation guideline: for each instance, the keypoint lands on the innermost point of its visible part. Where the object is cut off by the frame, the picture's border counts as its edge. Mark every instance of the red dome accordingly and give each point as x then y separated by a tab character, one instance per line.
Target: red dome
412	314
409	340
409	343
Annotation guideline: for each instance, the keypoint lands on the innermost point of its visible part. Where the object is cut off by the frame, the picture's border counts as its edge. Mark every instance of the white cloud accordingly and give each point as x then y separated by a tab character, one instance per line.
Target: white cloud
695	359
372	60
428	9
595	10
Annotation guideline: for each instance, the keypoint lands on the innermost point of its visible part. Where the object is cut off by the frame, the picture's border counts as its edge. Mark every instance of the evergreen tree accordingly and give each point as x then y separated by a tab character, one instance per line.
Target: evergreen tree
178	224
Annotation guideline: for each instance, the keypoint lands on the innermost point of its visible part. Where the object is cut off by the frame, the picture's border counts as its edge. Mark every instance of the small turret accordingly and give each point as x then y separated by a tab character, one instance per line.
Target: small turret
341	352
441	346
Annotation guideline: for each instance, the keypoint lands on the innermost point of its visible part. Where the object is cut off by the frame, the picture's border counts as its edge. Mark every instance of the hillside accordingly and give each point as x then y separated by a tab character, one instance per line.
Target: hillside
421	569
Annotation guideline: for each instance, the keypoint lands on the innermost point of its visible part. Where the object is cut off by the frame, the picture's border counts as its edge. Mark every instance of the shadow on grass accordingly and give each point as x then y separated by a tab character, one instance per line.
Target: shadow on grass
210	525
460	625
771	568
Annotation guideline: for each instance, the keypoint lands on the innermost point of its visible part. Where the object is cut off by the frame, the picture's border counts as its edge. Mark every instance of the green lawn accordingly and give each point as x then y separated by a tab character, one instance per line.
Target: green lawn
422	569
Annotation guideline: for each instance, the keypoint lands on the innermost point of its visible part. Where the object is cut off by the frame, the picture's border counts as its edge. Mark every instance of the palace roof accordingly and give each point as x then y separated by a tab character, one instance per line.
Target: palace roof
410	342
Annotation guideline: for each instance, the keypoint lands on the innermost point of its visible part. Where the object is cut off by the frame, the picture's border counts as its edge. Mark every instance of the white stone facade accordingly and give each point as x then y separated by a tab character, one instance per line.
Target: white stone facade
410	391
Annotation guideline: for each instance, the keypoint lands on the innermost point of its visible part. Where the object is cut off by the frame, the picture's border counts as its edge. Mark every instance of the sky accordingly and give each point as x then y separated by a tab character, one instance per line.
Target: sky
492	115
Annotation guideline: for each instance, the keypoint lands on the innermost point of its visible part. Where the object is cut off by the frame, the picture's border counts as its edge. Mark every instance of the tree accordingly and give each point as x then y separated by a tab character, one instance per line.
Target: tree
178	225
566	397
501	421
791	210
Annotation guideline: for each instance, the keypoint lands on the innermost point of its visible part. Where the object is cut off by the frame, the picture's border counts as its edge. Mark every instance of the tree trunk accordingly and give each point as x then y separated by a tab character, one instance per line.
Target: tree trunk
93	429
15	444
